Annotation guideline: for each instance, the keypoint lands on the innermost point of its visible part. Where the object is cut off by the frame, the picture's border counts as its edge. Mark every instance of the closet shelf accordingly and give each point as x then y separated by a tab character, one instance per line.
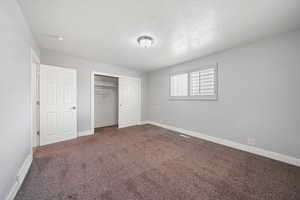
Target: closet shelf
103	84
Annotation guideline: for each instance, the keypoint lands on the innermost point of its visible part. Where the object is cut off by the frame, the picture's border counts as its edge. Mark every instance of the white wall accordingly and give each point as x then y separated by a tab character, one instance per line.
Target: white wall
259	96
84	69
16	42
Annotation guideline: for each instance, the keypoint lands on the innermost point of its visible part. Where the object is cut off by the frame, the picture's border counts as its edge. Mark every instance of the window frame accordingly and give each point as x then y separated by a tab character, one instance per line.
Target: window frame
196	97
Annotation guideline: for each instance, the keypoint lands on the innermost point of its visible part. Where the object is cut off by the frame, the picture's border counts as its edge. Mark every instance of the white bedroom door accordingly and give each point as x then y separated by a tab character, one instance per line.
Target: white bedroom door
129	102
58	104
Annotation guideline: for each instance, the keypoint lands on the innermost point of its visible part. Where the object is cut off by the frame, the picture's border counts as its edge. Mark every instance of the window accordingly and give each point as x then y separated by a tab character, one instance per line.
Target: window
203	82
196	84
179	85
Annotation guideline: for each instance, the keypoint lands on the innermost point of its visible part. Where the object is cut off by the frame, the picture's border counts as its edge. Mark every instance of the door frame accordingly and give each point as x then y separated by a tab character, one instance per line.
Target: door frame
92	111
34	61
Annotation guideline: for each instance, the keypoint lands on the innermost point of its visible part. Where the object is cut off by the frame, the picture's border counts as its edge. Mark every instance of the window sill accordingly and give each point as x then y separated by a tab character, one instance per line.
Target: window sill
189	98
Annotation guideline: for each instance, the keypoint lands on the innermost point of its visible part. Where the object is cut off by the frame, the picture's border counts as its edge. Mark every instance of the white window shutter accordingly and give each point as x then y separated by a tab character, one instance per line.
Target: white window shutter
195	83
198	84
179	85
202	82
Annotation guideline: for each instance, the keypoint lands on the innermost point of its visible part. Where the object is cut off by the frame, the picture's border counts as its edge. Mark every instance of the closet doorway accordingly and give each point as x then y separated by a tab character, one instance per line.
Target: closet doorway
115	101
106	101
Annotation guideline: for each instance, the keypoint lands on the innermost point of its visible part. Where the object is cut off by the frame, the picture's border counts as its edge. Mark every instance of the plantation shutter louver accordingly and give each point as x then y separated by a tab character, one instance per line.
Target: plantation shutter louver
179	85
202	82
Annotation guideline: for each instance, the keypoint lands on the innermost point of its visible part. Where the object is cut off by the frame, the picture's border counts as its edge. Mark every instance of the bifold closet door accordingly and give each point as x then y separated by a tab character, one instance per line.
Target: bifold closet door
58	105
129	102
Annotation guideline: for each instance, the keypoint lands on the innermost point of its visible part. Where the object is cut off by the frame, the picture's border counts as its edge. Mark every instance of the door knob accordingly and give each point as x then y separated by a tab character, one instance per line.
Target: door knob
73	108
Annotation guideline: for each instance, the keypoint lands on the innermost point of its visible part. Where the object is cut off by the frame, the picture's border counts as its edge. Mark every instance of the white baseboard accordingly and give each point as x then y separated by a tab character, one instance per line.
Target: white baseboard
243	147
144	122
84	133
101	124
20	177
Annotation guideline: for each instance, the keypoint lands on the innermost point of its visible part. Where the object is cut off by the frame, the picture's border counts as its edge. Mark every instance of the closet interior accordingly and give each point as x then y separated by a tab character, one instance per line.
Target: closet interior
106	101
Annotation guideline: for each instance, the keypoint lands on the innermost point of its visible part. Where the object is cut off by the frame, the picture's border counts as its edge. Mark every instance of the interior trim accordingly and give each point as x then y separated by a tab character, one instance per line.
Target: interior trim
85	133
20	177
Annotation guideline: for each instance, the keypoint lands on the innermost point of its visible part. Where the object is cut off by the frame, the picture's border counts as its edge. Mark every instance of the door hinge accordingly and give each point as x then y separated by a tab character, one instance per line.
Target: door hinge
38	133
38	103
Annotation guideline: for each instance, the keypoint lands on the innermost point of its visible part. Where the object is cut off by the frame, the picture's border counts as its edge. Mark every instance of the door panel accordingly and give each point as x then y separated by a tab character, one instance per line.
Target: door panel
58	114
69	105
52	123
129	102
51	94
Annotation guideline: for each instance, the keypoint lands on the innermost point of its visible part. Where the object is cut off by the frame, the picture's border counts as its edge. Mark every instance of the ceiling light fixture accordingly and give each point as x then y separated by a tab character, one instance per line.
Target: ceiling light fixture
145	41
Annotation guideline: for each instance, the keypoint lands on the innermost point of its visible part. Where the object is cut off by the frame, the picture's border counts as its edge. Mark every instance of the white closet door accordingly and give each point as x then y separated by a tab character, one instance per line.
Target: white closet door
58	105
129	102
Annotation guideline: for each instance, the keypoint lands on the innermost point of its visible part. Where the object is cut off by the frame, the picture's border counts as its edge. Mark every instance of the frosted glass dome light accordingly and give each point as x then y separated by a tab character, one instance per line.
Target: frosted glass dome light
145	41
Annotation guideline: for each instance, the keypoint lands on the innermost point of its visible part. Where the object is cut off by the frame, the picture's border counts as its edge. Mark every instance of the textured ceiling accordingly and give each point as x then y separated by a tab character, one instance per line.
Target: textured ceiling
106	30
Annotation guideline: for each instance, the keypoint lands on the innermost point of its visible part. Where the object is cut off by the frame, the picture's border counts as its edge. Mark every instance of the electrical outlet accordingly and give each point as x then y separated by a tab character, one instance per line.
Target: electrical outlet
251	141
